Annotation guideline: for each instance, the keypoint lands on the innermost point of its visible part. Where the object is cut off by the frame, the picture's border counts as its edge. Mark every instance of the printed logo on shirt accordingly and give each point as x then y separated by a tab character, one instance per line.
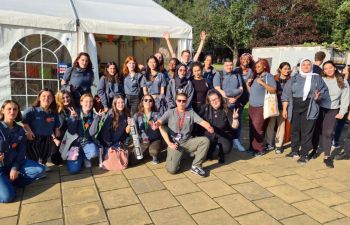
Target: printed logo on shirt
14	145
38	118
50	119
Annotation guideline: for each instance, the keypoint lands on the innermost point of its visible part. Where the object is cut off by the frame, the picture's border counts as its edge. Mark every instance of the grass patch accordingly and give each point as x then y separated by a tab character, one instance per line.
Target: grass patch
218	66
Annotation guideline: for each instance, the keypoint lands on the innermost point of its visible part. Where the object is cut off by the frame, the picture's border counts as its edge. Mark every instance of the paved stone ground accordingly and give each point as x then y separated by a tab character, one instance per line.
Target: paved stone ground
248	191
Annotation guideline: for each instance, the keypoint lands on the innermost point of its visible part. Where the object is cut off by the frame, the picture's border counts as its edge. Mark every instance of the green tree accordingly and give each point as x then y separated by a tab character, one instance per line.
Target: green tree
341	31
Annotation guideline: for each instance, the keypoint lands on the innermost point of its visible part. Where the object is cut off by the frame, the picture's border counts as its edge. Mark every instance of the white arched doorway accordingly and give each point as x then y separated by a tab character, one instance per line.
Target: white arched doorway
36	62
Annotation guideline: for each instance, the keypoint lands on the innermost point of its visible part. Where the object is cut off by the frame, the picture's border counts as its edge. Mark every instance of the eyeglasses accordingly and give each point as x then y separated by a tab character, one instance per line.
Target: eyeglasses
214	100
147	100
182	70
181	101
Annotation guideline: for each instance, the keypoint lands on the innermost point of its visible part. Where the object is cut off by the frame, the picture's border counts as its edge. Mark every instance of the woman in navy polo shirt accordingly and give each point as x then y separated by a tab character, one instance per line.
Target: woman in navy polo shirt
15	170
79	78
110	85
132	80
84	123
153	83
42	126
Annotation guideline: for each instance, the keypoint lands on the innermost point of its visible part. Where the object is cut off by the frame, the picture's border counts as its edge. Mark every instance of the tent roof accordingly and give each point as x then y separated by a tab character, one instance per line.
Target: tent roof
118	17
38	13
132	18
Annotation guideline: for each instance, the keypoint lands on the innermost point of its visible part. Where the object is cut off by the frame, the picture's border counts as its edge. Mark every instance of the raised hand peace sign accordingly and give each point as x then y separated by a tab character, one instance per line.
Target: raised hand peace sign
235	113
72	111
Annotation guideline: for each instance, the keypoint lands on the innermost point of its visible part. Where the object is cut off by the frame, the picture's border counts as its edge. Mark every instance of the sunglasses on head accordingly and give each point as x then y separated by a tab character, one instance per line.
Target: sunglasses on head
181	100
147	100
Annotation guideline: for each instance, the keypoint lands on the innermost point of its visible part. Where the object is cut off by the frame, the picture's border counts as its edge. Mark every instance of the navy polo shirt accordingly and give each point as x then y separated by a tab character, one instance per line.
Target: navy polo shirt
80	79
41	122
132	84
257	91
154	87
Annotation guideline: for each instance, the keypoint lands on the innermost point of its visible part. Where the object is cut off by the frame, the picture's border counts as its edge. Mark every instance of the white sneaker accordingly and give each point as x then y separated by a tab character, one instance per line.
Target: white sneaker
237	144
87	163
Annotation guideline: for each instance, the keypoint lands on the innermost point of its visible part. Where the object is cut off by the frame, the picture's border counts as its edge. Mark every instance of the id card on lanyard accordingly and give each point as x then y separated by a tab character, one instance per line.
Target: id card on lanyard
180	123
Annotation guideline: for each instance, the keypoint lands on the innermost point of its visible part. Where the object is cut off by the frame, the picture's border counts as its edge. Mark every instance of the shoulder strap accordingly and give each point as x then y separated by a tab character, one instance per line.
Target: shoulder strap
70	74
221	73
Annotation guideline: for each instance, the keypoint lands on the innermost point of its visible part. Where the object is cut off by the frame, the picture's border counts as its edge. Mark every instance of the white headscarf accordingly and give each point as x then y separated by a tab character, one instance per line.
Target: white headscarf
307	85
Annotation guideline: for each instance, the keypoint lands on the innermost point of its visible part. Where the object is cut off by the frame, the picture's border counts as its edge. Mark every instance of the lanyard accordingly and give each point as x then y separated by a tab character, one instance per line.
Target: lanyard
181	120
146	120
86	124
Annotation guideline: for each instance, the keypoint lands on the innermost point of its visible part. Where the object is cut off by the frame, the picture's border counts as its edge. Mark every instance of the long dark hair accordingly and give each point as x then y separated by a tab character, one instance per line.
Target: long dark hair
149	76
19	114
115	78
141	108
76	63
161	63
223	105
116	113
53	105
338	76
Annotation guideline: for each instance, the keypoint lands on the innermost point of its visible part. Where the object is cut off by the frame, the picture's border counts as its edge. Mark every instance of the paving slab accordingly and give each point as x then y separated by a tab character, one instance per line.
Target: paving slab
30	213
236	204
245	167
158	200
146	184
277	208
9	209
232	177
119	198
86	213
343	208
79	195
197	202
9	220
77	180
260	218
216	188
129	215
111	182
198	179
41	193
51	222
215	216
299	182
137	172
288	193
265	179
252	191
344	221
302	219
326	196
332	184
318	211
164	175
172	216
181	186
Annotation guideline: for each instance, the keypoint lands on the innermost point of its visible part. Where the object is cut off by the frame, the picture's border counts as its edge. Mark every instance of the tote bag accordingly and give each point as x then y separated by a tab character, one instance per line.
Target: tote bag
270	104
115	159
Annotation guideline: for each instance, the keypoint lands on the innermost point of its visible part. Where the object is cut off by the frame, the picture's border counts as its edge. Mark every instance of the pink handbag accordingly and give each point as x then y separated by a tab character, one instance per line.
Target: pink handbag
115	159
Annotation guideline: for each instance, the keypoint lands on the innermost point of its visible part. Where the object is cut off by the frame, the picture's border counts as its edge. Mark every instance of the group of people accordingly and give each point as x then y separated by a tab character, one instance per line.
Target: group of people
189	107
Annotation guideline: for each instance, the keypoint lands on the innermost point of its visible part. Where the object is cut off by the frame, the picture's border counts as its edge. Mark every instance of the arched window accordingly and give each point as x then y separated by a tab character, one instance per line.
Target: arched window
35	63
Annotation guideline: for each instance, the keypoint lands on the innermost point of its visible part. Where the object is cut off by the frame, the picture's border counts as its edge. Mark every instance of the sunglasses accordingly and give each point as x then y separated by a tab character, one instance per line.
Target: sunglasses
181	101
148	100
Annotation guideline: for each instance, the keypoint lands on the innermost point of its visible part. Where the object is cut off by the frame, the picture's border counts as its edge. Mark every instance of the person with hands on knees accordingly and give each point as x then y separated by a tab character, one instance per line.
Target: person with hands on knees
110	85
176	127
84	123
300	99
15	170
42	126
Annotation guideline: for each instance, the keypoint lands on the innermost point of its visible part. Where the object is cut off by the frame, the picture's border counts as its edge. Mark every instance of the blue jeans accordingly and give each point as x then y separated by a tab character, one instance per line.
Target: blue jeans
29	171
88	152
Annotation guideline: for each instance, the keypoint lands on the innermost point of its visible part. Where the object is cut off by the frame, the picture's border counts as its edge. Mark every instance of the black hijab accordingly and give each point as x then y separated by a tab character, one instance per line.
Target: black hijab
180	82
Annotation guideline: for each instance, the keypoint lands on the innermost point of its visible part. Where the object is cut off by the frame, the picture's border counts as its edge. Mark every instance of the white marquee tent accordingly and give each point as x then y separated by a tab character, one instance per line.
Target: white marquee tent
32	30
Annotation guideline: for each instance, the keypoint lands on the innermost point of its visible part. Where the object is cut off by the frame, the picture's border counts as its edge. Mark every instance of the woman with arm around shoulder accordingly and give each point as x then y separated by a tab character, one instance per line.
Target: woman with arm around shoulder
79	78
264	81
333	107
110	85
300	99
42	126
132	80
145	120
15	170
85	124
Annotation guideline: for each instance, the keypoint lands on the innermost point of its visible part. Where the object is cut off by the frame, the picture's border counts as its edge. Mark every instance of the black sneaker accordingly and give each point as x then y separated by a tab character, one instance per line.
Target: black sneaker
342	156
302	160
198	170
292	155
314	154
258	154
329	162
270	148
279	150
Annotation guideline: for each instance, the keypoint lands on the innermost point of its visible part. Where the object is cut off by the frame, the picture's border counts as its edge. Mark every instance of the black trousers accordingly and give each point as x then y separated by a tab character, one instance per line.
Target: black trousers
324	127
302	129
224	144
39	150
133	103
